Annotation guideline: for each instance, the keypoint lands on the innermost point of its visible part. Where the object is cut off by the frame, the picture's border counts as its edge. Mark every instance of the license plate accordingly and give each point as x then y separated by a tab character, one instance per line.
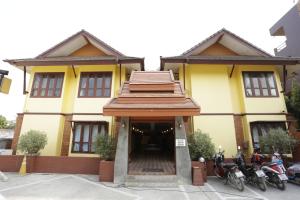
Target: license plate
260	173
239	174
283	177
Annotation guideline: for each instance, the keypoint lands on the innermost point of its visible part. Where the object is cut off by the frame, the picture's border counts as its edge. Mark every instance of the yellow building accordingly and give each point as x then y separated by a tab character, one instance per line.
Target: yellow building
238	87
82	87
69	84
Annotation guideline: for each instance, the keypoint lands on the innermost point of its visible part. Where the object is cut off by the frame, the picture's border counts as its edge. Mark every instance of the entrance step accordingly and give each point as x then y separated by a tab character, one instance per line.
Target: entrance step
168	181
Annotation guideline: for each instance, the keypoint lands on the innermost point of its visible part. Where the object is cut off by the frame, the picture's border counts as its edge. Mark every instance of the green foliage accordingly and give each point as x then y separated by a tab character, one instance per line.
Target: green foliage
32	142
3	122
106	147
293	102
200	145
277	140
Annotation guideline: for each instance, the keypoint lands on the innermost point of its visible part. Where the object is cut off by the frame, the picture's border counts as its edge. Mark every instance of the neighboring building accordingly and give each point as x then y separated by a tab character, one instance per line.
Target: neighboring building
289	28
72	96
4	82
238	87
69	84
6	137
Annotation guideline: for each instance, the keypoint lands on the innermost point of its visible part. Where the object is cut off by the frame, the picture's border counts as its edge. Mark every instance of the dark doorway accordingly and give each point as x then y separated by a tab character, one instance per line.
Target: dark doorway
151	148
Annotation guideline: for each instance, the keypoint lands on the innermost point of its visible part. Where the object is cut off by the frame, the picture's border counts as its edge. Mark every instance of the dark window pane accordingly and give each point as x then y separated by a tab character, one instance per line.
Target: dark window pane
91	92
247	81
107	92
265	92
77	133
76	147
83	82
273	92
99	92
107	82
91	82
86	133
85	147
255	82
256	92
51	87
271	80
82	92
248	92
99	82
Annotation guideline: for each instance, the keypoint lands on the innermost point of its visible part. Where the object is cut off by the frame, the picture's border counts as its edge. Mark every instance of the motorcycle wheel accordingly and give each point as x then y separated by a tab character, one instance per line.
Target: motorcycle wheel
218	172
239	182
279	183
262	183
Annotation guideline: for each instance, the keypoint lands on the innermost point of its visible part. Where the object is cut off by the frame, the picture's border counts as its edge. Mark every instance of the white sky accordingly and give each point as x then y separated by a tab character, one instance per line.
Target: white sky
141	28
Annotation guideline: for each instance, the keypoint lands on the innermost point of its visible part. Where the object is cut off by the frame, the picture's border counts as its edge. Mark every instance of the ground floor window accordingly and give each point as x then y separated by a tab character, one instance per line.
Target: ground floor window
5	143
262	128
85	134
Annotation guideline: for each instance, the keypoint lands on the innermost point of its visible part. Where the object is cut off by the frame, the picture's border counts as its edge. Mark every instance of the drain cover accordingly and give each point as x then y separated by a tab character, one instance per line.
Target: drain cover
153	170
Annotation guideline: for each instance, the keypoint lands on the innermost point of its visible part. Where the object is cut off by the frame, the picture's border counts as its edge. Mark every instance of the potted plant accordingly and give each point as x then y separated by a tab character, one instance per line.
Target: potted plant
278	141
106	148
200	147
30	144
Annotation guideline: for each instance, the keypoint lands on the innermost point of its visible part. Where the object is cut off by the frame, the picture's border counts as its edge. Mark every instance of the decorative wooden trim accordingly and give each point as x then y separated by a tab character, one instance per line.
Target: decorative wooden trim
238	126
19	122
57	113
66	136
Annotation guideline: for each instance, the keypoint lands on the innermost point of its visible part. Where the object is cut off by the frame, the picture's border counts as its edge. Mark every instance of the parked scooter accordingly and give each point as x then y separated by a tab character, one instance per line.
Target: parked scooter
275	172
228	171
254	175
293	173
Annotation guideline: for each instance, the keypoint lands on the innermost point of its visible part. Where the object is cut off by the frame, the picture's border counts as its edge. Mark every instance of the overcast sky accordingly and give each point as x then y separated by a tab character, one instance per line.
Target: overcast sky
136	28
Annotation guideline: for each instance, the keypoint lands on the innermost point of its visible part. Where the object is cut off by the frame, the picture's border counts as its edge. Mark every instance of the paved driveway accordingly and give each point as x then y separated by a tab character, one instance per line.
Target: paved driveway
64	186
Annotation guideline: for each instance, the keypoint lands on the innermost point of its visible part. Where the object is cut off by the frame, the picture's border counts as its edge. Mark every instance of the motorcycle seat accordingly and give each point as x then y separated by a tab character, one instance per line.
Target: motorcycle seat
229	165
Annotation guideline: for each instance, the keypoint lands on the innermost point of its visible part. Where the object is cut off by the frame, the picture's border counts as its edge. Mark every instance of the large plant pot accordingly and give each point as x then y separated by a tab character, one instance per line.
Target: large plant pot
30	163
203	168
106	171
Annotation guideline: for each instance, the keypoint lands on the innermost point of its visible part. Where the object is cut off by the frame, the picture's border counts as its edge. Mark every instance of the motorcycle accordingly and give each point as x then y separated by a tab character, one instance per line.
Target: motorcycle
275	172
253	174
293	173
228	171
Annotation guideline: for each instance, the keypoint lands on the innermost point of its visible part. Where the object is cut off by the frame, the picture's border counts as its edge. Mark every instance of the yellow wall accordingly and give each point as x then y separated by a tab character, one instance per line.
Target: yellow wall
52	125
220	96
68	103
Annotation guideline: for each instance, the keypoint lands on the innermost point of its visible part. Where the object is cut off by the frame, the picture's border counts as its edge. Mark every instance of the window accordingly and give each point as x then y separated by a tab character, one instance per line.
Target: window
262	128
95	84
85	134
47	85
260	84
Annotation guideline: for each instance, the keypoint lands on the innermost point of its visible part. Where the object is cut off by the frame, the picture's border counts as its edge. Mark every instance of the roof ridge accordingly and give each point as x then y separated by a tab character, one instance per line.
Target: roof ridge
220	33
85	34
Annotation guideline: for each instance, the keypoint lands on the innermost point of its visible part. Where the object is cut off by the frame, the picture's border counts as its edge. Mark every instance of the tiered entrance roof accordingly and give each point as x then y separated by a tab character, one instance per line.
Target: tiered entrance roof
151	94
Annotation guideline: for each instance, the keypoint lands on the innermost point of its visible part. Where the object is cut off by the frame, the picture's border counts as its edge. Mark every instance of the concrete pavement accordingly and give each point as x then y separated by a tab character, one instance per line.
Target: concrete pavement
66	186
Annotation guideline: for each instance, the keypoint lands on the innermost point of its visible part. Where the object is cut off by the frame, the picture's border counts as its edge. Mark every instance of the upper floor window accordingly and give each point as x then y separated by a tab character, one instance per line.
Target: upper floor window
260	84
47	85
95	84
85	134
262	129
